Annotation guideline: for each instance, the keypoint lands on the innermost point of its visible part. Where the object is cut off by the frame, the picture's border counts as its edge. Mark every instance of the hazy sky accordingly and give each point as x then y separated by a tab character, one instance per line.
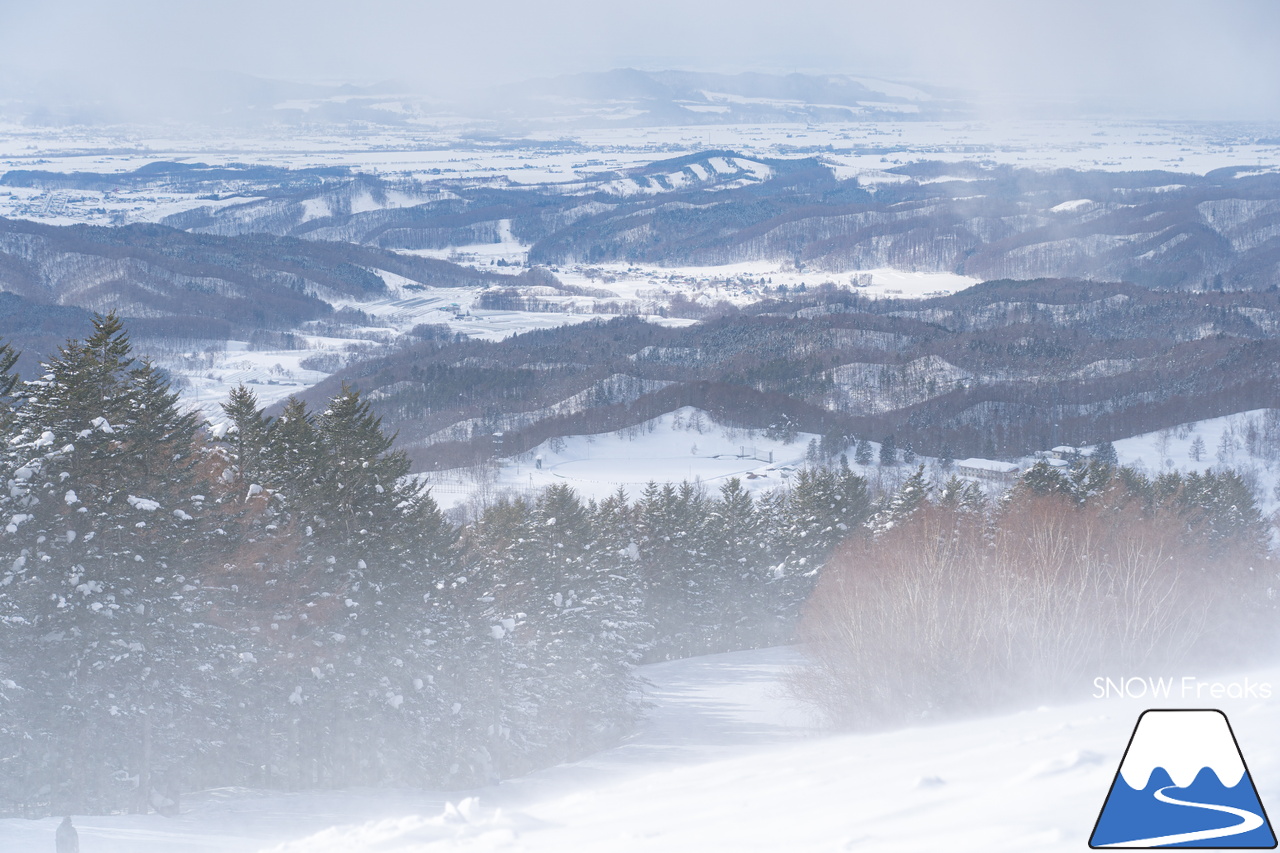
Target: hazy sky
1173	57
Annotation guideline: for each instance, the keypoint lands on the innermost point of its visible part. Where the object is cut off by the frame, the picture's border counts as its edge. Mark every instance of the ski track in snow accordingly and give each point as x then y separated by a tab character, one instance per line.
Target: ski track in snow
723	761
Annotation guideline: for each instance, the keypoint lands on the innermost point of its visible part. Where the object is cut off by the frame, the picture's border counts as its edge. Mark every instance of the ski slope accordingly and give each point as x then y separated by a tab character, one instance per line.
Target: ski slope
724	761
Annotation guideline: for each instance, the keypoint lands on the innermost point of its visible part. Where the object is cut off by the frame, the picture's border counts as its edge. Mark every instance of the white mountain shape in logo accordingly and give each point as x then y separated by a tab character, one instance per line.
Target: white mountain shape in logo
1183	743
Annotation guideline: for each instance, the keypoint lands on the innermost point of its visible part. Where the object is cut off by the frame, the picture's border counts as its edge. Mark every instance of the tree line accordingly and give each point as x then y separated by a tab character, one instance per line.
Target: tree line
273	602
956	605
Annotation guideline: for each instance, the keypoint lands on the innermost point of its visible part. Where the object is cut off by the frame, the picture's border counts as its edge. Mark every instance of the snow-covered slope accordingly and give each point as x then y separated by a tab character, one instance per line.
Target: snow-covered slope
686	444
724	762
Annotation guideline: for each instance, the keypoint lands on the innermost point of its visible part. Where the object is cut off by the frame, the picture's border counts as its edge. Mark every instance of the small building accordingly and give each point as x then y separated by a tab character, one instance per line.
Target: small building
1066	451
989	470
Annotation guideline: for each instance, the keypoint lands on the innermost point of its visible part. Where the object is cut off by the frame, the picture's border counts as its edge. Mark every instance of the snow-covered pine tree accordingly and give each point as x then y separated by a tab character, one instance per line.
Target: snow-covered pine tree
351	559
743	611
12	635
587	628
814	519
678	592
557	635
822	508
614	563
9	385
103	557
862	452
248	437
888	451
910	496
497	696
1044	479
965	495
1104	453
292	453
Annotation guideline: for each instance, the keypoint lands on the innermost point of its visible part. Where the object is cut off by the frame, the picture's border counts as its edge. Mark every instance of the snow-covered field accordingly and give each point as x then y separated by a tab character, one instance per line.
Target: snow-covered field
446	151
682	445
725	761
1223	443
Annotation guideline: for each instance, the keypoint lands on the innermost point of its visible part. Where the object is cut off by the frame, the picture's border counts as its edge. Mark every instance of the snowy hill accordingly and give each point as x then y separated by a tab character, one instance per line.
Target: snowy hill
724	762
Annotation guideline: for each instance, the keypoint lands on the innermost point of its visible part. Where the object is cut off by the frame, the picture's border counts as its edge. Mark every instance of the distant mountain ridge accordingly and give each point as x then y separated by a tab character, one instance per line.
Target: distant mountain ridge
626	96
629	96
175	284
1159	229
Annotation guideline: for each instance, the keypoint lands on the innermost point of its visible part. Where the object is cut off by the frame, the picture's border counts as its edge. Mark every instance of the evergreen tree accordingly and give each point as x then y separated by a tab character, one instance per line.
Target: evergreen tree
292	458
1087	481
909	497
961	494
104	549
362	552
248	436
862	452
671	539
1105	454
739	573
888	452
821	509
1043	479
9	385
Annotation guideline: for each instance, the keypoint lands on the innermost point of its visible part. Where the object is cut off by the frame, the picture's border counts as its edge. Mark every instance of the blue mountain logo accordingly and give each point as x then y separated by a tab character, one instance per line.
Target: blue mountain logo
1183	783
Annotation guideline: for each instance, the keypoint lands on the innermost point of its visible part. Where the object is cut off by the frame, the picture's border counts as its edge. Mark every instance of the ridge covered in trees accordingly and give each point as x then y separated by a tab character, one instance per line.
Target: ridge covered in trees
1160	229
1001	369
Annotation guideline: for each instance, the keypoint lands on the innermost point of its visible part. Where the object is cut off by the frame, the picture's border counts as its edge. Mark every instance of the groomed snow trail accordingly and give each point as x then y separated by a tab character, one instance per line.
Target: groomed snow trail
724	761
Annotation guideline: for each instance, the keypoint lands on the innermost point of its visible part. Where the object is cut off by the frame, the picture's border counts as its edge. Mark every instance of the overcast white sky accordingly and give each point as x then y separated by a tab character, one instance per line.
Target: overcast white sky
1175	57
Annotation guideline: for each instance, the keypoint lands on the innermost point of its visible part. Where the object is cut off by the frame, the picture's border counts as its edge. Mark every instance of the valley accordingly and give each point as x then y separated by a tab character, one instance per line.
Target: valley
622	459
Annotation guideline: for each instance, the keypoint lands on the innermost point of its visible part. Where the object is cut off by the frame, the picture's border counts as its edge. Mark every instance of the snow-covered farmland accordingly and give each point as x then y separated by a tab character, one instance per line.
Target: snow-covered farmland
441	149
683	445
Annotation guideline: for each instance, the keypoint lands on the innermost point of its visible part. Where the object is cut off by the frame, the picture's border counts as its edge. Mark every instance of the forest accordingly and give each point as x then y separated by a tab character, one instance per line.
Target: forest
274	604
1002	369
1160	229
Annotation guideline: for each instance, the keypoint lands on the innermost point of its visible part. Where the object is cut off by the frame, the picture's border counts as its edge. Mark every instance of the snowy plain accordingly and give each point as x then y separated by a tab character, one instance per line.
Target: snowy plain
726	761
446	151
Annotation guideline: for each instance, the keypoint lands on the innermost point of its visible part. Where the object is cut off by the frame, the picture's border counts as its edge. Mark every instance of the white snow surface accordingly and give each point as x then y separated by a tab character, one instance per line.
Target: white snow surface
686	444
724	761
1225	443
445	149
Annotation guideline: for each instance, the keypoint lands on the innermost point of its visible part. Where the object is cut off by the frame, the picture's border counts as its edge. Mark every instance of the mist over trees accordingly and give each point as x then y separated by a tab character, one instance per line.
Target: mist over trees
275	604
954	606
